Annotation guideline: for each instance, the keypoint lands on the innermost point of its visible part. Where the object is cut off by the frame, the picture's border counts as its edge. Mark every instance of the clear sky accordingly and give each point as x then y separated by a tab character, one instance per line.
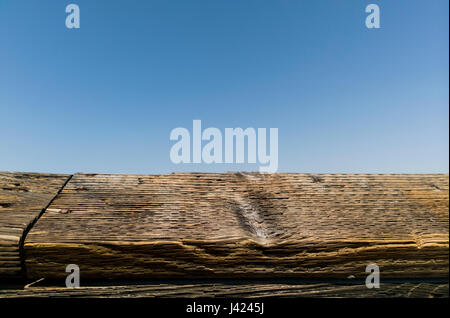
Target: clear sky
104	98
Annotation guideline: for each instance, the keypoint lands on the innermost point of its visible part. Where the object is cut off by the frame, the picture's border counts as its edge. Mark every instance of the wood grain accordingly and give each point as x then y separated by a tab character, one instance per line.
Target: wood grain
23	196
243	225
244	290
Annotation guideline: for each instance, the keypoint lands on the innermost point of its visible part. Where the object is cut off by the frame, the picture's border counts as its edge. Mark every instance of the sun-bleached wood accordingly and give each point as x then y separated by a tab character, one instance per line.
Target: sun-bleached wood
227	289
243	225
23	196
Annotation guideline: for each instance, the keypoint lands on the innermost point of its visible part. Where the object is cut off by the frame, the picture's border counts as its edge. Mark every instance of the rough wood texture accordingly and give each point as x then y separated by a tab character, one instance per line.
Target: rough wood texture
22	198
243	225
220	289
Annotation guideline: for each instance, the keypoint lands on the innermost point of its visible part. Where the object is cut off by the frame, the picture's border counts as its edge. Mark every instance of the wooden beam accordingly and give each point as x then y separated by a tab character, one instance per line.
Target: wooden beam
243	225
236	289
23	196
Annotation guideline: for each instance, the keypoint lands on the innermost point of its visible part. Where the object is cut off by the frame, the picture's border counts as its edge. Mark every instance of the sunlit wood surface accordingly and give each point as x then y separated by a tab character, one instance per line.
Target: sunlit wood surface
198	226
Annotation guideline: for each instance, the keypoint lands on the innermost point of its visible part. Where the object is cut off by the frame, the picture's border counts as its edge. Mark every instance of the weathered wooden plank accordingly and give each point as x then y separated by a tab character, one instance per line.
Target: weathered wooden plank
23	196
246	290
243	225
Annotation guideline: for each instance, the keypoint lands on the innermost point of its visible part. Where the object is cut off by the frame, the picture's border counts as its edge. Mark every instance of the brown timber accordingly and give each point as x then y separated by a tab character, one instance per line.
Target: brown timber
229	234
243	225
23	196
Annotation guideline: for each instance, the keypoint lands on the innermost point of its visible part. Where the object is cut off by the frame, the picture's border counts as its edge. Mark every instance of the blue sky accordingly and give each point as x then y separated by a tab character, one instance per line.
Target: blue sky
104	98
